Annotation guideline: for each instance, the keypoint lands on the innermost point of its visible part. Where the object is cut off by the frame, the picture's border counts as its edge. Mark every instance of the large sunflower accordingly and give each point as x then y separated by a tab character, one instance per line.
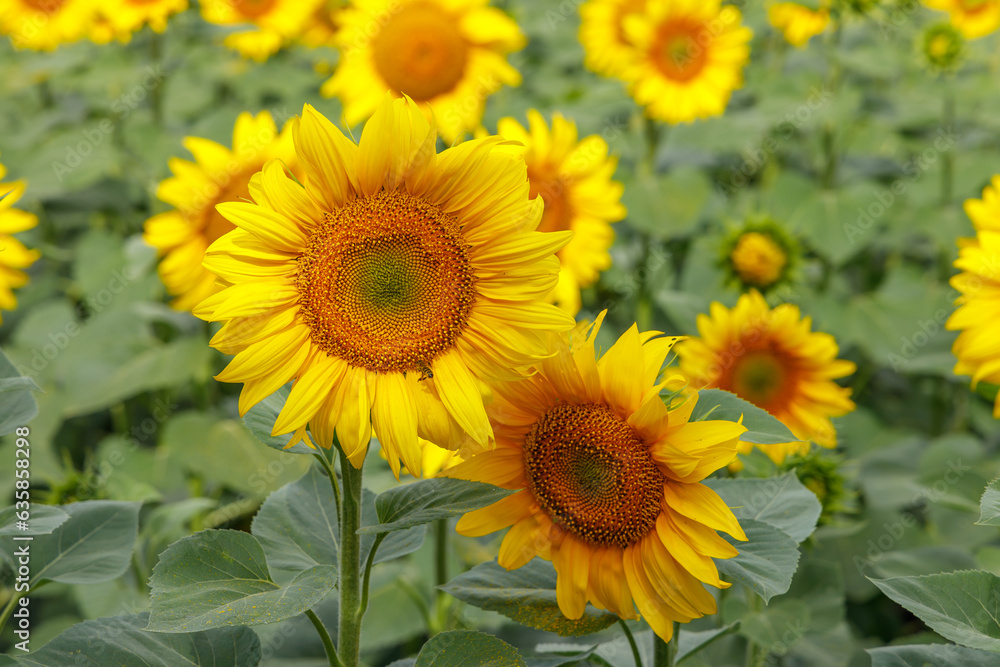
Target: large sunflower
774	360
573	178
275	22
608	482
974	18
450	54
14	257
798	23
978	315
689	58
391	286
43	24
602	33
217	175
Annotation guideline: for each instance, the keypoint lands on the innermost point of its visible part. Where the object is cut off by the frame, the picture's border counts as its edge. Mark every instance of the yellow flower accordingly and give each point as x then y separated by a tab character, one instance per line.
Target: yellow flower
690	57
773	359
321	29
275	21
217	175
433	459
797	23
573	178
449	54
974	18
125	17
392	286
758	260
602	33
608	482
43	24
14	257
978	315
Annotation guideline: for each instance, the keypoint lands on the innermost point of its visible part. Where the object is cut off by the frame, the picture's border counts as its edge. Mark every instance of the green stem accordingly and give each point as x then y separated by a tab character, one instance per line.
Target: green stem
947	163
664	653
332	473
753	603
155	96
631	643
331	652
418	600
349	632
9	609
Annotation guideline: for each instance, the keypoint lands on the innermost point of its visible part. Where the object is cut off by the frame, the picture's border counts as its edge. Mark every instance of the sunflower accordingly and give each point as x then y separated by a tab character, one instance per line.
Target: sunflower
943	47
321	29
573	179
974	18
607	480
450	54
978	346
217	175
14	257
128	16
43	24
275	21
773	359
759	255
798	23
392	286
602	33
433	459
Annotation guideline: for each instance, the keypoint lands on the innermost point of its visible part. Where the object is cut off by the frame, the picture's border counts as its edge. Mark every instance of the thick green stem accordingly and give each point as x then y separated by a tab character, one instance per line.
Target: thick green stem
349	632
331	652
664	653
631	643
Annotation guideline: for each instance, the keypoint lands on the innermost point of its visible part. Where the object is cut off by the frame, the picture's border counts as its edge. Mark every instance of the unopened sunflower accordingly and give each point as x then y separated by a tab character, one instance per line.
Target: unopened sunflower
771	358
602	33
759	255
43	24
448	55
608	482
14	257
689	58
978	316
573	178
974	18
218	174
391	286
798	23
274	23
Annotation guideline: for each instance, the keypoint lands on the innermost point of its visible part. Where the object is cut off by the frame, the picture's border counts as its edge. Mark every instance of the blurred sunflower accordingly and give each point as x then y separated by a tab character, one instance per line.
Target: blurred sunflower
321	29
602	33
974	18
798	23
608	482
759	255
14	257
391	286
573	178
978	346
275	21
218	174
942	46
689	58
450	54
771	358
125	17
43	25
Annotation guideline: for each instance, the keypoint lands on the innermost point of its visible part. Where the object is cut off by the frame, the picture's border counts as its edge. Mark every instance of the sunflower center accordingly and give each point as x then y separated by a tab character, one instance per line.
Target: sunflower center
758	259
253	9
759	377
557	214
677	51
386	283
421	52
592	475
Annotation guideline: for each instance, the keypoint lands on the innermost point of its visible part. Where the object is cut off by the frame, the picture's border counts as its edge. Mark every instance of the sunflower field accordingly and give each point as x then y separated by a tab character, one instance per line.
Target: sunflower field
507	333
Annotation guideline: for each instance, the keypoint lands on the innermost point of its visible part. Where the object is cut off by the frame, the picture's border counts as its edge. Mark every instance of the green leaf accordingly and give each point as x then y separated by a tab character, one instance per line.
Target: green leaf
784	502
526	595
219	577
989	505
430	499
19	405
460	648
122	641
260	419
766	562
42	520
690	642
961	606
94	544
762	427
923	655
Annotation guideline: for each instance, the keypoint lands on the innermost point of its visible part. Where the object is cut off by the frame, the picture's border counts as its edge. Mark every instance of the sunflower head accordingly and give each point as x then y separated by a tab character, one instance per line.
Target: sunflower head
759	255
797	23
821	472
942	47
607	468
608	49
973	18
390	282
274	23
771	358
14	256
43	25
447	55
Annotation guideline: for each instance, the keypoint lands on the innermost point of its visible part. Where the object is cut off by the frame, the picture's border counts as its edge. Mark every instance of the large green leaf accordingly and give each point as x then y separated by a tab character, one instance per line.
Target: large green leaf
123	642
762	427
766	562
42	520
780	501
926	655
461	648
961	606
526	595
94	544
430	499
19	405
218	578
989	506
